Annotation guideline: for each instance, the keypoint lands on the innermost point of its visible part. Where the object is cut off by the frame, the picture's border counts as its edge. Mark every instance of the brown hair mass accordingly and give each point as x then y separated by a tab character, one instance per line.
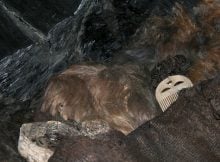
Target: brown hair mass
115	94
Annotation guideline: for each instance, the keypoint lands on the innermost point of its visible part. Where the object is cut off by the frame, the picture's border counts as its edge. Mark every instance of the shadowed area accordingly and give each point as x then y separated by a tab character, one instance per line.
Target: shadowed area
44	14
11	39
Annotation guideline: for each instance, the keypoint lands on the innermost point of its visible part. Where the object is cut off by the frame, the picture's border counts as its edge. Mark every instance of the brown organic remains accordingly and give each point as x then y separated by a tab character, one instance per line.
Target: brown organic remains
115	94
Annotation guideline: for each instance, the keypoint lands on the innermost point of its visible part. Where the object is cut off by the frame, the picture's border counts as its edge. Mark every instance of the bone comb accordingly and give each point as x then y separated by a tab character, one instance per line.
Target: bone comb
167	91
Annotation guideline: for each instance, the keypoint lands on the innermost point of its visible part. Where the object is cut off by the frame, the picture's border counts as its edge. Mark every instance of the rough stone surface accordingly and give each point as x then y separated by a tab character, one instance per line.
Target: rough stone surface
44	14
38	140
13	114
11	39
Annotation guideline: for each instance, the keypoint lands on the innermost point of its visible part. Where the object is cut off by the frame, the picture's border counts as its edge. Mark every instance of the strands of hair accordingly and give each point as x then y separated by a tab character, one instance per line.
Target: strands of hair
180	31
208	65
195	35
88	92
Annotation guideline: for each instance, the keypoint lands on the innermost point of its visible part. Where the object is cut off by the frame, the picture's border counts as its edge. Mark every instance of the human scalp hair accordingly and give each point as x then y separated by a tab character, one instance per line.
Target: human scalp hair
117	95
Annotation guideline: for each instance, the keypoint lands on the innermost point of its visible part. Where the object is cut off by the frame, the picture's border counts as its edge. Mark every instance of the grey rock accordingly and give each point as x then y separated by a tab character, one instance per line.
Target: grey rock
37	140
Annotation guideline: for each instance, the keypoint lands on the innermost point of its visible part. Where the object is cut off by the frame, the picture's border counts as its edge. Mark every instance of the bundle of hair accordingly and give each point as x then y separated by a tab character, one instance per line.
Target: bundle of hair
115	94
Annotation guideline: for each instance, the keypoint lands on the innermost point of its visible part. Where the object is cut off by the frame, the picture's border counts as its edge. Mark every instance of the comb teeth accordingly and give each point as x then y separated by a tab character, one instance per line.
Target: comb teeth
167	91
167	101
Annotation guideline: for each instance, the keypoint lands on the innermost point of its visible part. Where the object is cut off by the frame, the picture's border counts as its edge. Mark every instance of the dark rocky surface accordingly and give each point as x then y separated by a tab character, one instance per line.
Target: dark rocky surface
11	39
13	114
113	32
44	14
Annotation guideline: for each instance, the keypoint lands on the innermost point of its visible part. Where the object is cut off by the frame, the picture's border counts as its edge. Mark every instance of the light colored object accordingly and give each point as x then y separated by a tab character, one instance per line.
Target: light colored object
167	90
30	134
92	128
37	141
